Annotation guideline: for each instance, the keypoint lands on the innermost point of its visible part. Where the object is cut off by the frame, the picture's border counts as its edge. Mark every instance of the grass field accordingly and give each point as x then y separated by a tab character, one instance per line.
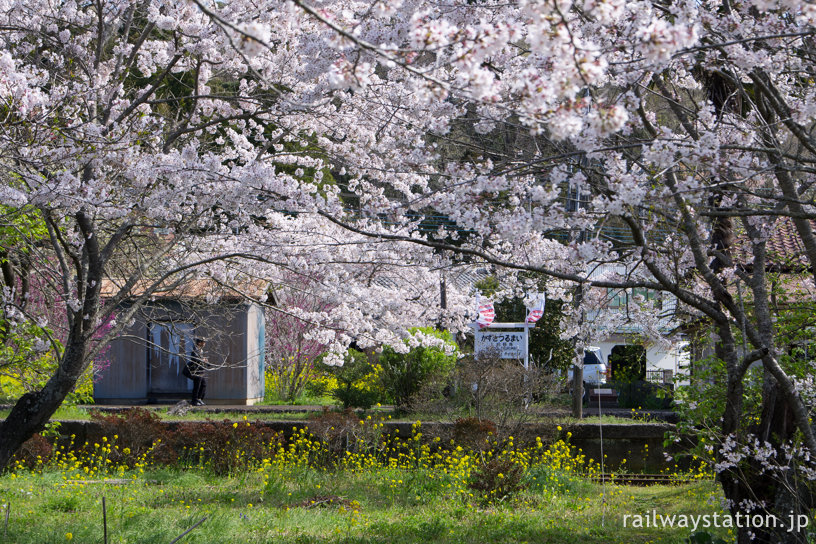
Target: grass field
304	489
308	505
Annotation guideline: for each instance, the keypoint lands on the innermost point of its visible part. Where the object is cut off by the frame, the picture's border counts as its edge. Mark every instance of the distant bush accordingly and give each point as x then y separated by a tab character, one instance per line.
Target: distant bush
137	436
497	480
291	351
136	431
473	433
224	447
320	384
358	383
485	388
34	453
404	374
642	394
337	430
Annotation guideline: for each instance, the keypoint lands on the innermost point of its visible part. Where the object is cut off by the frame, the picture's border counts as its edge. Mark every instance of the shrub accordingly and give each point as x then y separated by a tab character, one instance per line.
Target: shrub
291	351
642	394
83	390
405	374
318	383
136	430
286	378
357	381
34	452
473	433
337	430
321	384
224	447
497	480
489	389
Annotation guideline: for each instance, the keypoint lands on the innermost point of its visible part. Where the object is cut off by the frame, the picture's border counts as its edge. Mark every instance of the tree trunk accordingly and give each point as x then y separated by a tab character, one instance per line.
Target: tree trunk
578	388
33	410
785	493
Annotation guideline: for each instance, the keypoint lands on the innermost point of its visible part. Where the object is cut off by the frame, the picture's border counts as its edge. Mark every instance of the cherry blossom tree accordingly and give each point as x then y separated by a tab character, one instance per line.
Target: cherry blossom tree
157	146
166	140
687	125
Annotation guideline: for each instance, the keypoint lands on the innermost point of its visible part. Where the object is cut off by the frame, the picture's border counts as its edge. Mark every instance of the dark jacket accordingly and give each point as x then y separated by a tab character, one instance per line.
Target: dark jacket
196	364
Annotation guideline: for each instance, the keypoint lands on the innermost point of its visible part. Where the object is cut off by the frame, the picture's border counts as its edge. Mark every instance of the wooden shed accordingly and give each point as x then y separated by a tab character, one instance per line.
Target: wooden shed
144	364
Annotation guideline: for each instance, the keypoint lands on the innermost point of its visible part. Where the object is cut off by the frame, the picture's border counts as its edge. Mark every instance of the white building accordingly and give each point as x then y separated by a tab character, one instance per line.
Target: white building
619	339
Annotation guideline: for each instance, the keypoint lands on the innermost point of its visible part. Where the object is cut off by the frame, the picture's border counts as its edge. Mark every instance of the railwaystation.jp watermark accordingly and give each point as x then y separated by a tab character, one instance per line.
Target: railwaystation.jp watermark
716	520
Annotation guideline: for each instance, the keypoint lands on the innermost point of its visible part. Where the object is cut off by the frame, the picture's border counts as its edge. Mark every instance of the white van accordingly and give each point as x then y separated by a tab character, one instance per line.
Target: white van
595	370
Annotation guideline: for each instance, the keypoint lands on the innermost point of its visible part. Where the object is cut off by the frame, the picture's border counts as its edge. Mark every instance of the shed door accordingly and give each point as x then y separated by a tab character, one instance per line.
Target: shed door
170	344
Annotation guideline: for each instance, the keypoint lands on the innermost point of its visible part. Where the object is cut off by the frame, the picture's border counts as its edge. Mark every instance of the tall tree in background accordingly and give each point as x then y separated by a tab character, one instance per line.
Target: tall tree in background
689	129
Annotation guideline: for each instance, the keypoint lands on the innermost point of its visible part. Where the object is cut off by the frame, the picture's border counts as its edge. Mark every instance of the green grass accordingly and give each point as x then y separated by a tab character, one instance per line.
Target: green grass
73	413
200	415
381	491
310	505
64	413
76	413
611	420
303	400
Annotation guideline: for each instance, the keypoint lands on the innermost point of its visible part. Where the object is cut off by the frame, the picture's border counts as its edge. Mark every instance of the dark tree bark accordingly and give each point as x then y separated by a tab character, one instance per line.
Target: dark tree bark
33	410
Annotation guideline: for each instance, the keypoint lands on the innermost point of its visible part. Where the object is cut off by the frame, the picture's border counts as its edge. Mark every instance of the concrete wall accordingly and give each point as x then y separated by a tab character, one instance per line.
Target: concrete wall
640	445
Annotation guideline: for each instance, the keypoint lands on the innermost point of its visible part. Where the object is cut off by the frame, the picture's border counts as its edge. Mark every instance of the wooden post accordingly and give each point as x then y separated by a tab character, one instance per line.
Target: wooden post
104	522
578	387
578	366
199	522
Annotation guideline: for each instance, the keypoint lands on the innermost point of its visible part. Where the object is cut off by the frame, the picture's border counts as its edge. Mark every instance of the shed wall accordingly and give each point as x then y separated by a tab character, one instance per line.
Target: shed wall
118	377
255	339
233	332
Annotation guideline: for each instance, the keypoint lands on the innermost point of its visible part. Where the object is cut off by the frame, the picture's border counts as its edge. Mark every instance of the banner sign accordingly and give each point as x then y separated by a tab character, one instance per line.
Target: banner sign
485	311
509	345
536	311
